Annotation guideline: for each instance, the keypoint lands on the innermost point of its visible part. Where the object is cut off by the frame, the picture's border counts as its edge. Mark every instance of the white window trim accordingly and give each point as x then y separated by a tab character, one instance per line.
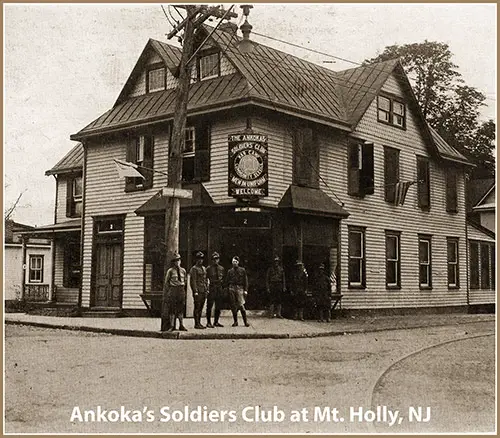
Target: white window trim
159	88
215	69
395	261
454	263
35	269
428	263
360	258
192	130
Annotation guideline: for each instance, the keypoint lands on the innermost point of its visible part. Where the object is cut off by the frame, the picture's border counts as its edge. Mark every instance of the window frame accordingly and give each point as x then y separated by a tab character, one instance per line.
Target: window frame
360	168
152	68
196	162
424	186
428	239
485	281
72	200
34	270
393	234
205	55
390	114
474	274
362	258
451	190
456	263
390	186
136	143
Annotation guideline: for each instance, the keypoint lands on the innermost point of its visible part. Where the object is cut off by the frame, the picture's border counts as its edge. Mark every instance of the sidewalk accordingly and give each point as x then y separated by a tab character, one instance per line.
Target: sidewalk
260	326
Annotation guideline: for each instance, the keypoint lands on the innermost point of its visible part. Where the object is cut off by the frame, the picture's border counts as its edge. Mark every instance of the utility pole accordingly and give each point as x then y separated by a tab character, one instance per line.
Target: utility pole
195	16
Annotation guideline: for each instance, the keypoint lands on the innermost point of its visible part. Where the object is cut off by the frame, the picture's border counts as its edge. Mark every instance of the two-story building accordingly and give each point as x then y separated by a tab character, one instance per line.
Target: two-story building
283	157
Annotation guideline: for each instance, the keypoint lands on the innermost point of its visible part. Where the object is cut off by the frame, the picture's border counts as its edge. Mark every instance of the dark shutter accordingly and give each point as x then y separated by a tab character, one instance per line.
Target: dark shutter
451	191
311	147
148	161
423	182
367	170
202	153
353	169
69	197
131	153
391	172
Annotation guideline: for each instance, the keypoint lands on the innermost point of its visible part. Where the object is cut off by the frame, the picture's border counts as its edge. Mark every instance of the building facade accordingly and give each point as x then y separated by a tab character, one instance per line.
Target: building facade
283	157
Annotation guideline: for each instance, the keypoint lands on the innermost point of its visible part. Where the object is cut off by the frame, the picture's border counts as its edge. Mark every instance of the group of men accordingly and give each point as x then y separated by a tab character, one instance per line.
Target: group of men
207	285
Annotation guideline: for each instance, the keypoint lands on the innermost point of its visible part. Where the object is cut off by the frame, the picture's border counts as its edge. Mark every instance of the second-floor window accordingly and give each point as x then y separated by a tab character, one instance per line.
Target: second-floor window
391	172
305	158
391	111
36	269
196	153
360	168
424	184
140	151
208	66
451	191
155	78
74	196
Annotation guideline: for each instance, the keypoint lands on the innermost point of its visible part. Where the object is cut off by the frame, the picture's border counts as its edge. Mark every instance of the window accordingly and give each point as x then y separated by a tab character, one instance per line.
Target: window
155	79
451	191
71	265
485	265
360	168
196	153
393	259
305	158
140	152
474	265
357	262
74	196
391	172
36	269
453	278
391	111
208	66
425	266
423	178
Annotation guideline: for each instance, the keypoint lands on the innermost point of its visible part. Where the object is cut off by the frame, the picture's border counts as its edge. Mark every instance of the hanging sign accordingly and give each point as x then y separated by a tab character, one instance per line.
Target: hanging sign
247	165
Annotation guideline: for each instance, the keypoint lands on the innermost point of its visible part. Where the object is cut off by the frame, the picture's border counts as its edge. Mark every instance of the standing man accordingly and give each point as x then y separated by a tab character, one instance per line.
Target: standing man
275	284
298	289
199	287
237	282
322	291
215	273
175	283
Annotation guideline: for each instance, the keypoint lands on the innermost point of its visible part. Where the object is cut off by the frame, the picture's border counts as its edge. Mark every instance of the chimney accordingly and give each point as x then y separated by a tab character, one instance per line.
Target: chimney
228	26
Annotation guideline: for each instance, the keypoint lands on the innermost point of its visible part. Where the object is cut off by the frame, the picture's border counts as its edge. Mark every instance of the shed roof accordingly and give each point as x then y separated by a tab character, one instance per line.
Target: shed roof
72	161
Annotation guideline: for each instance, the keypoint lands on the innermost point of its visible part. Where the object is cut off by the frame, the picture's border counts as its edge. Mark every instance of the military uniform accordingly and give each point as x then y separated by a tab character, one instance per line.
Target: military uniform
215	274
322	294
275	284
298	288
237	282
174	293
199	287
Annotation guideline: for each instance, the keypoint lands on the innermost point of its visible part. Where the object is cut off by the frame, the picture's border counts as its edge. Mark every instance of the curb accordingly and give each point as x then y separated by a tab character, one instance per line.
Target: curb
215	336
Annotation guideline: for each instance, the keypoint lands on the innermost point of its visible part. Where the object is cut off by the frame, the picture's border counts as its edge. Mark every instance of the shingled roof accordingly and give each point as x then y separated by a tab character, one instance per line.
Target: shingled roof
72	161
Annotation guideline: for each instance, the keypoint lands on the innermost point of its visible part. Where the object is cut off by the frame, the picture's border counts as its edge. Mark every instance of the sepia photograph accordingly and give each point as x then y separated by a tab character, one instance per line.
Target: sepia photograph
268	218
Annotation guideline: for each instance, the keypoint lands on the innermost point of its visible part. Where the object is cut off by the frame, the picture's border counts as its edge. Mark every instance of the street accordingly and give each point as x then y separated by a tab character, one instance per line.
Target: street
342	384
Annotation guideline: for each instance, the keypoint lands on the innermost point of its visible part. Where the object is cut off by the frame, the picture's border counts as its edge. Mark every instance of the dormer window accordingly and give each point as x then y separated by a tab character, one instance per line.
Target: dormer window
391	111
155	79
209	66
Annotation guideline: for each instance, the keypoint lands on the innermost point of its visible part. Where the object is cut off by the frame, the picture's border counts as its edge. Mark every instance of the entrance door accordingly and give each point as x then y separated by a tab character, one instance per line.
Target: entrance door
254	248
108	274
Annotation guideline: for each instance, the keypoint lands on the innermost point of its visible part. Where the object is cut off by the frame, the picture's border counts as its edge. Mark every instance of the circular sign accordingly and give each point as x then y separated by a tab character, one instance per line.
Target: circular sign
248	164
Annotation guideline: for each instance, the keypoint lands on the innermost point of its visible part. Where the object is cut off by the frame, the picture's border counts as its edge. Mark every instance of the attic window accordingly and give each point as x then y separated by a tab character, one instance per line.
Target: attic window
155	79
209	66
391	111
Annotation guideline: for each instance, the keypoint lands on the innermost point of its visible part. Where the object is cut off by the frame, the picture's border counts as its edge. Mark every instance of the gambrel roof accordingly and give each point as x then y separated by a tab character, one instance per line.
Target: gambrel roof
268	78
72	161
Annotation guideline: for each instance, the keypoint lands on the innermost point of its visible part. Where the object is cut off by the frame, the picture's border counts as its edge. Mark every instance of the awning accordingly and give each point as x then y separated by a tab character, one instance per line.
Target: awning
158	203
73	225
306	200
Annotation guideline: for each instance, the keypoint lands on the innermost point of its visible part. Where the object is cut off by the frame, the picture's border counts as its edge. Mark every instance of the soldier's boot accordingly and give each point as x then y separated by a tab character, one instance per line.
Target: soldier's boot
172	323
181	325
216	318
244	315
209	317
271	311
301	314
235	318
197	320
278	311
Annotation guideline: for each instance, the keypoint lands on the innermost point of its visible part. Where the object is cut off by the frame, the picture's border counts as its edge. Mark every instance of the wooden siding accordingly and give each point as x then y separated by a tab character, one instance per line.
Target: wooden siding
59	265
62	187
280	159
105	195
377	216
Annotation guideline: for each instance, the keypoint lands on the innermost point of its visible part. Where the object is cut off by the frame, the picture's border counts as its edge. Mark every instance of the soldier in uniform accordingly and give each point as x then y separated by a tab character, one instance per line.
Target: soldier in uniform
275	285
298	288
199	287
237	282
215	273
175	293
322	290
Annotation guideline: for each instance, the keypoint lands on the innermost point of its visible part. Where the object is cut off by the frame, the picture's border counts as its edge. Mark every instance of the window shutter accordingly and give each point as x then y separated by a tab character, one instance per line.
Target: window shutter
367	170
353	169
69	197
311	155
298	157
202	154
131	148
423	182
451	191
391	172
148	161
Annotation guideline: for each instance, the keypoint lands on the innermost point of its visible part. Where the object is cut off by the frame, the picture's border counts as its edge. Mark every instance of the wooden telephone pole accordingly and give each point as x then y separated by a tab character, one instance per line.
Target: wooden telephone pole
195	16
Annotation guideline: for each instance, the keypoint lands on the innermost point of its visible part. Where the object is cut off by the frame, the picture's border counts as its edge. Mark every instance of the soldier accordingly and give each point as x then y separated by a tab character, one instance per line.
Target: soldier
215	273
298	288
237	282
275	285
322	290
199	287
175	285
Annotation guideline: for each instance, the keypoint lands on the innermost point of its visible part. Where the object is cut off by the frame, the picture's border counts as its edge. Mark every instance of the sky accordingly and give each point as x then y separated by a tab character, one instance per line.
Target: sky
65	65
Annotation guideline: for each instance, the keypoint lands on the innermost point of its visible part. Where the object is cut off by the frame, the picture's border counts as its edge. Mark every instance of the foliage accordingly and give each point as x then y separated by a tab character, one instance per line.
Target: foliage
448	104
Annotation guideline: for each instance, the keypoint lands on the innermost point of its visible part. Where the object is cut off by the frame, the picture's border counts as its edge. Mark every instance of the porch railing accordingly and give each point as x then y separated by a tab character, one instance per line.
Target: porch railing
36	292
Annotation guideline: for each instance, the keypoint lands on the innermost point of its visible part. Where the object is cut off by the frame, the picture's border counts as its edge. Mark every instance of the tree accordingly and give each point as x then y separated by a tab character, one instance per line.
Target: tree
448	104
10	210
